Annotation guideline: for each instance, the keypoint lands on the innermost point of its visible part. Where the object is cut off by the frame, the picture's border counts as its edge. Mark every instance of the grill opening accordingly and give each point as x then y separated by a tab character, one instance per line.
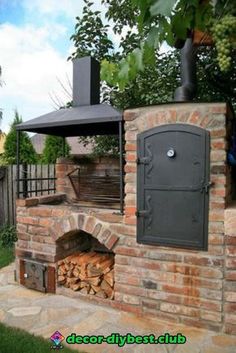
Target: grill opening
99	187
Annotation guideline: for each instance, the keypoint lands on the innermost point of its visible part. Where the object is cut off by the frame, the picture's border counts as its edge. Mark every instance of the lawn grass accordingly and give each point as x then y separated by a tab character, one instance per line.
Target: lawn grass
13	340
6	256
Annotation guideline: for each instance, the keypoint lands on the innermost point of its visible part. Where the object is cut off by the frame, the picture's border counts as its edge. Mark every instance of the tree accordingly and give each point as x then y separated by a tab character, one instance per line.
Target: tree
27	151
152	85
171	21
54	148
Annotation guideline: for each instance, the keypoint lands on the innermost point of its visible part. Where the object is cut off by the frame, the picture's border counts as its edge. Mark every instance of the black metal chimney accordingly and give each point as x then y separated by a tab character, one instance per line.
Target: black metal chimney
187	91
86	81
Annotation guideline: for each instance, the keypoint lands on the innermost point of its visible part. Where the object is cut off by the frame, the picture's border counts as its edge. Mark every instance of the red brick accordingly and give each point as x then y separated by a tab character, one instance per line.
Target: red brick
23	236
27	202
27	220
96	230
46	222
150	304
130	156
130	211
104	235
123	229
40	211
218	108
122	250
216	227
203	261
81	220
230	318
22	228
57	212
42	247
23	253
216	215
218	132
132	220
129	289
201	303
216	239
218	191
231	263
42	239
130	146
38	230
127	279
230	275
44	257
230	329
109	217
130	136
219	144
178	309
61	182
137	310
231	250
195	117
230	307
215	250
231	241
145	263
201	324
22	244
130	115
126	298
111	241
61	168
230	297
190	291
130	168
122	260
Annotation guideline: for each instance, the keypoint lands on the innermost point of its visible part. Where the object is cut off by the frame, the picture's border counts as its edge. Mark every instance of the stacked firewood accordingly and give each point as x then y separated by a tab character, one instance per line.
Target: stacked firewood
88	272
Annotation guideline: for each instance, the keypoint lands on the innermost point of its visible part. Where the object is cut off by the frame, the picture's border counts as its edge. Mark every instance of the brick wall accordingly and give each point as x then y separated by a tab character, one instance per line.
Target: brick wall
180	285
229	288
65	166
192	287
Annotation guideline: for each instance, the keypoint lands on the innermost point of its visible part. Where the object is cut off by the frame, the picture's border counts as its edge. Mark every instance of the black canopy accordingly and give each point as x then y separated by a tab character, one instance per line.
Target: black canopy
86	120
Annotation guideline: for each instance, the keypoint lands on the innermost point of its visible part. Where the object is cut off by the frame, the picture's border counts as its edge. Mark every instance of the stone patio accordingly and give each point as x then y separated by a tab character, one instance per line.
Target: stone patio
42	314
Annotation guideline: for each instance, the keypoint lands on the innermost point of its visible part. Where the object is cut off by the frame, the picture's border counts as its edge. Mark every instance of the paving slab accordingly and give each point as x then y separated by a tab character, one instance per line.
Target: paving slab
43	314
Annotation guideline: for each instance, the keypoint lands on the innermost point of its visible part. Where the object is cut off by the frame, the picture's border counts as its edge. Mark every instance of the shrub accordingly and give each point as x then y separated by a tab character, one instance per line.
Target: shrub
8	236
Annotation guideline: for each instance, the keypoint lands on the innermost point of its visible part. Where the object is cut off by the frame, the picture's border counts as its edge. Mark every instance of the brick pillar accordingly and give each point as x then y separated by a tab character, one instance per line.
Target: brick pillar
63	167
230	271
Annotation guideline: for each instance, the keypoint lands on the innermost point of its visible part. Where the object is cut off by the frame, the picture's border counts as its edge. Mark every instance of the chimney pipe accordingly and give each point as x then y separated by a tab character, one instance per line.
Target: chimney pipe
86	81
187	91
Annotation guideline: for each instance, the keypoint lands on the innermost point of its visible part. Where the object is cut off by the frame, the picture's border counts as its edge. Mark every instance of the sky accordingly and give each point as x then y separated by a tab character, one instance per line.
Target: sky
34	47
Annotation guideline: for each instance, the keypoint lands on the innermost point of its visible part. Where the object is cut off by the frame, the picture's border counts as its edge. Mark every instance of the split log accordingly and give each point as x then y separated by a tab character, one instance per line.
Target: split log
88	272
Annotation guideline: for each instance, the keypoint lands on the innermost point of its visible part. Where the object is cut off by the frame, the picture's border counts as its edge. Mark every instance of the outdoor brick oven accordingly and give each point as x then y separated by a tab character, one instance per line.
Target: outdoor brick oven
186	284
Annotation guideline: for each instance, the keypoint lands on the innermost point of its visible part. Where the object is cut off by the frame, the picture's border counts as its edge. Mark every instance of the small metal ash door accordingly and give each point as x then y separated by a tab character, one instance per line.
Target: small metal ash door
34	276
172	186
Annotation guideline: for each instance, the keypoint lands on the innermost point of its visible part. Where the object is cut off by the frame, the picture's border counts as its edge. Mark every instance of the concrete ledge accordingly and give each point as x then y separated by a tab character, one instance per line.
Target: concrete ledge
44	200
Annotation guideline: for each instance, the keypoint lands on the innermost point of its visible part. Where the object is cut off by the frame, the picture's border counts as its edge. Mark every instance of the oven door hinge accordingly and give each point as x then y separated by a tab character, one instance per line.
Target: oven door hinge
143	213
143	160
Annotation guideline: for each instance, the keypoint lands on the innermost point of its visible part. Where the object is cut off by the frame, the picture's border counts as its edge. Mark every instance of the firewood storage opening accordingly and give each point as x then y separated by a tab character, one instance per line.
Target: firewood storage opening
90	270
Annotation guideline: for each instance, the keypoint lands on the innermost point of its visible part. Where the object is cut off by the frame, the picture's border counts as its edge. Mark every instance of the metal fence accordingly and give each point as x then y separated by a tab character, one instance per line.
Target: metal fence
35	180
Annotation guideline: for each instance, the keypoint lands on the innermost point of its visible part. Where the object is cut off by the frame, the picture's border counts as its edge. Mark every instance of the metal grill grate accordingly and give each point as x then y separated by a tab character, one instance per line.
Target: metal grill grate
99	187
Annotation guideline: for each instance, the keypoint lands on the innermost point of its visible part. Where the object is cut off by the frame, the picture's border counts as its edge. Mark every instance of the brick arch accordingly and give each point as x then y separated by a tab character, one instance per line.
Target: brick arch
88	223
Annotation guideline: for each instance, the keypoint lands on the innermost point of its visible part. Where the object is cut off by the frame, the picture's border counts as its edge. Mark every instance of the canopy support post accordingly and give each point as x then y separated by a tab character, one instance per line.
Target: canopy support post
121	168
64	146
